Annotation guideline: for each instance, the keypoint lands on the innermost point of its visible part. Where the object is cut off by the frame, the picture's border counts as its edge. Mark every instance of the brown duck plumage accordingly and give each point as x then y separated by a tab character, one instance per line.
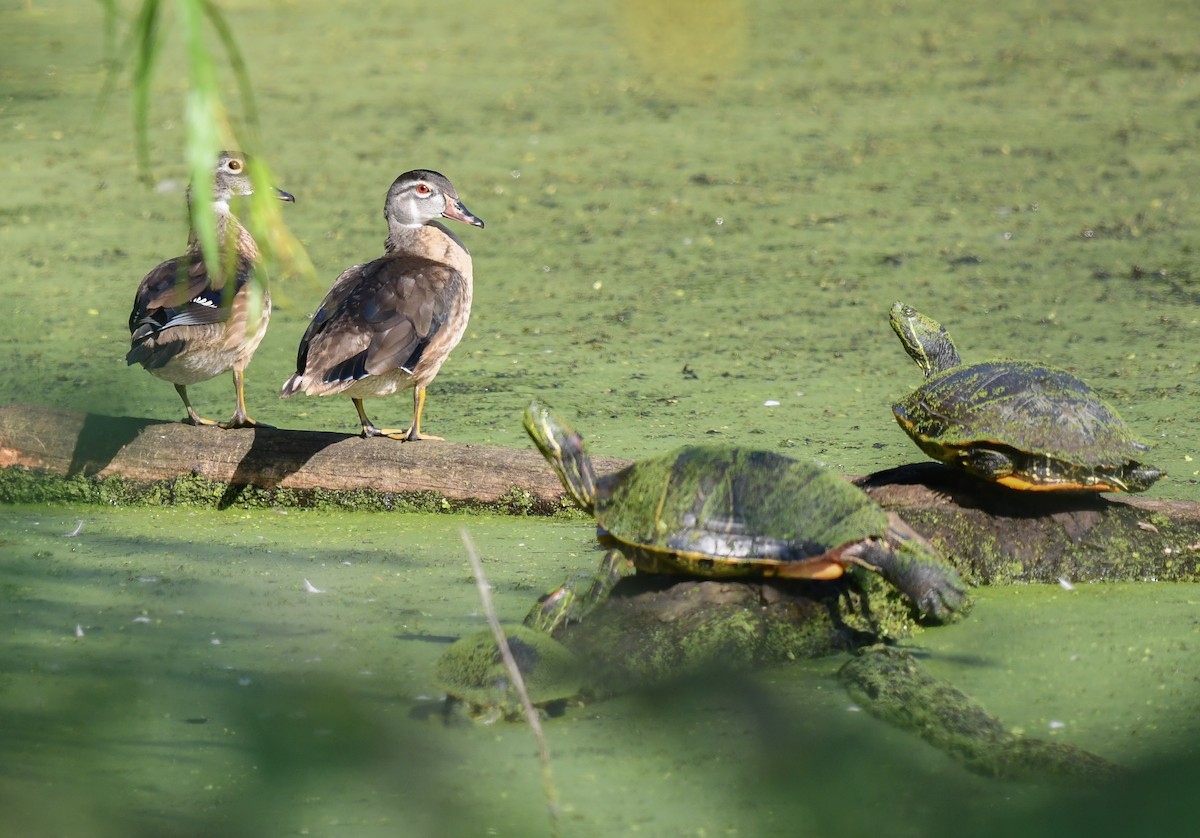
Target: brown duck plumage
391	323
183	327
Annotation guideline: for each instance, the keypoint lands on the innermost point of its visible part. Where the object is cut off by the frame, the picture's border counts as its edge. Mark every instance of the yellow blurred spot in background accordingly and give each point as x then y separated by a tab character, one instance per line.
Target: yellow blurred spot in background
685	43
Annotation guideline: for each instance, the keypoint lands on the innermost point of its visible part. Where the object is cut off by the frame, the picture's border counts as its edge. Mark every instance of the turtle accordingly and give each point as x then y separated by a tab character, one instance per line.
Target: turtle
472	673
709	511
1017	423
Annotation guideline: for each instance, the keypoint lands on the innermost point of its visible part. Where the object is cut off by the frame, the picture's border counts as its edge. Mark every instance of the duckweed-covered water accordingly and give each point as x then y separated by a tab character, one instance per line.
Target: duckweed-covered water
195	672
694	212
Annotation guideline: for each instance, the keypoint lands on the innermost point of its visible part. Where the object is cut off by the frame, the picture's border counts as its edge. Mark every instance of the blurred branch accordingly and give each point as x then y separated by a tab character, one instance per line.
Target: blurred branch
518	681
208	128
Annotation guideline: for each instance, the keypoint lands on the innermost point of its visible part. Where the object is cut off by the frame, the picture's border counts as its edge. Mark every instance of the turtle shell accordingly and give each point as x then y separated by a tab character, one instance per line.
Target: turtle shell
1067	433
712	511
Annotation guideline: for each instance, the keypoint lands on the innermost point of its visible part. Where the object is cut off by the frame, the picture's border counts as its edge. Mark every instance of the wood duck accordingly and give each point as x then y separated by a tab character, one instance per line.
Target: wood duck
391	323
184	327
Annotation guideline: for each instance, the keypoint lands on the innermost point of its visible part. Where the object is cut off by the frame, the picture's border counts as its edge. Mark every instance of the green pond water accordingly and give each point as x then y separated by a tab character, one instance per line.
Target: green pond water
172	672
694	210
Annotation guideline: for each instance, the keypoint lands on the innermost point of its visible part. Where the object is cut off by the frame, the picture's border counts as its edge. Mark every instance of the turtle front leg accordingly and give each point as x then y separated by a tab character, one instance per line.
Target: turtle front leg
908	562
986	463
572	601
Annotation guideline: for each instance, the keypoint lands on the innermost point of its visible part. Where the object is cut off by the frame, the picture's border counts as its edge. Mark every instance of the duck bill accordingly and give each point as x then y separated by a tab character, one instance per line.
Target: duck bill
456	210
285	196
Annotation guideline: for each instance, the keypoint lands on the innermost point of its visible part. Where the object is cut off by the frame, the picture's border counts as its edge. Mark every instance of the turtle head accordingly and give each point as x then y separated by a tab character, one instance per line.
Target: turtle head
925	340
563	448
1138	477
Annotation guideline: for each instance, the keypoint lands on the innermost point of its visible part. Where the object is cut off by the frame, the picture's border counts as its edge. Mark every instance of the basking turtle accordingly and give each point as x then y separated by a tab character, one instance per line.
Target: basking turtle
1017	423
708	511
472	672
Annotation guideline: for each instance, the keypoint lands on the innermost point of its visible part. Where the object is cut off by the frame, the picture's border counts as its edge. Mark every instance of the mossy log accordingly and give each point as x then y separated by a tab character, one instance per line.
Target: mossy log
993	534
296	463
890	684
654	629
996	535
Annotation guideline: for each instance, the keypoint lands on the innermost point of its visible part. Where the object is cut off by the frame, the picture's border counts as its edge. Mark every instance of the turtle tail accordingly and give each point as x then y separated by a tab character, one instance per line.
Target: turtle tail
562	446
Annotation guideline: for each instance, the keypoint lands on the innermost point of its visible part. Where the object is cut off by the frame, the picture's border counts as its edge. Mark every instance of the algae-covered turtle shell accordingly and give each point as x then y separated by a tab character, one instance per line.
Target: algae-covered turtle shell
1017	423
472	671
709	511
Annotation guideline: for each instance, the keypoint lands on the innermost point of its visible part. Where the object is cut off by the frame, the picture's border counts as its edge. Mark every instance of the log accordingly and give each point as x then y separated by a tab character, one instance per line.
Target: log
65	443
997	535
994	534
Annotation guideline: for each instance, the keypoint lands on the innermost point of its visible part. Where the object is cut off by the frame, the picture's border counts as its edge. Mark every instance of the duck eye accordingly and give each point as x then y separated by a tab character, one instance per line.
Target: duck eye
424	189
234	165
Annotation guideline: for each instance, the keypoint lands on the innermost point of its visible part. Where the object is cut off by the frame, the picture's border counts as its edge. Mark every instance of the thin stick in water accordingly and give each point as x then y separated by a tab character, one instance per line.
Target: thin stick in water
531	712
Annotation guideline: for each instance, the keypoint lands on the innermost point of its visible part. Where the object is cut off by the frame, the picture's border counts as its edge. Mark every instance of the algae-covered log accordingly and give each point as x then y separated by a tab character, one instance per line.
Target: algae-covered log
652	629
997	536
993	534
67	444
891	685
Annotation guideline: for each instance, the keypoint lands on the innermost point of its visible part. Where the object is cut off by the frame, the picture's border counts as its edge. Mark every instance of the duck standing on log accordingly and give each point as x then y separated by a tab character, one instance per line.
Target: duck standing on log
390	324
190	323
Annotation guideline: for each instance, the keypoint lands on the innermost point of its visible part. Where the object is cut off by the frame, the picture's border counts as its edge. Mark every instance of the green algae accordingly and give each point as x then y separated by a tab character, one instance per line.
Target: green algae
312	707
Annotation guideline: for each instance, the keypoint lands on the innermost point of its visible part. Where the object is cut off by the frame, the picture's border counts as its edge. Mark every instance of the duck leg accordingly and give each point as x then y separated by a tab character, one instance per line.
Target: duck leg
240	418
414	431
368	427
193	418
410	434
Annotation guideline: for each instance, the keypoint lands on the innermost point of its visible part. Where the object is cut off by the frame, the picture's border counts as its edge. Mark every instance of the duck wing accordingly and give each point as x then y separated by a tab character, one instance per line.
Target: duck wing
178	292
386	316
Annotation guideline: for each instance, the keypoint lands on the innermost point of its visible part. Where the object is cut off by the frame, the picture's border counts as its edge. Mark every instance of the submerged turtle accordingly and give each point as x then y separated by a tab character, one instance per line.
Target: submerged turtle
472	672
708	511
1017	423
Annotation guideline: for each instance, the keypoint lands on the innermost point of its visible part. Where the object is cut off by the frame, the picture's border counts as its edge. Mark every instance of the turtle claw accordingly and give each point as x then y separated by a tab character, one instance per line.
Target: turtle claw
936	589
908	562
944	602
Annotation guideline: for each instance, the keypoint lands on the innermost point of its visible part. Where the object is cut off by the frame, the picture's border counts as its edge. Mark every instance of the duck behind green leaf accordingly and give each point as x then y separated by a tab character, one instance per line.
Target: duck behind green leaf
192	321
